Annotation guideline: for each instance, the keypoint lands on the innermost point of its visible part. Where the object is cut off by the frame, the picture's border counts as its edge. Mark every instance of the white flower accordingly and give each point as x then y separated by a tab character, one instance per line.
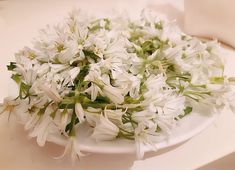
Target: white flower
98	86
105	130
231	100
57	138
93	90
74	72
97	43
116	48
92	115
70	49
32	121
127	82
114	116
114	94
156	82
64	119
143	116
29	75
174	105
79	112
51	92
37	104
172	32
227	99
167	110
55	68
146	137
21	112
42	69
45	128
72	148
42	129
9	106
24	56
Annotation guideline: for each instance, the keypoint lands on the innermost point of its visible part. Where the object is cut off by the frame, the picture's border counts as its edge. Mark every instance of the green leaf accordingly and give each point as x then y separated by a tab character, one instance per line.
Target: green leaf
231	79
53	114
158	129
90	54
60	47
101	99
95	26
209	49
16	78
171	68
42	110
70	127
107	24
71	94
24	90
131	100
188	110
184	55
148	46
159	25
217	80
81	76
63	106
11	66
183	37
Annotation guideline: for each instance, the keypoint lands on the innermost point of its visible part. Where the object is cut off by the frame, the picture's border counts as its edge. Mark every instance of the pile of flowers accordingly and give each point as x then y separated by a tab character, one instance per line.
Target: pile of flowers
125	78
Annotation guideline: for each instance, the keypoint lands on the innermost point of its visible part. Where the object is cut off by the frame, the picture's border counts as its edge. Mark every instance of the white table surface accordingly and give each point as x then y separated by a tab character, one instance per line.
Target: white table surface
19	23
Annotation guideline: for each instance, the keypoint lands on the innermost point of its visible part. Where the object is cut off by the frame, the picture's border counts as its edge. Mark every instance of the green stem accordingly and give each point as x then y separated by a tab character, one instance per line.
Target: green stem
121	134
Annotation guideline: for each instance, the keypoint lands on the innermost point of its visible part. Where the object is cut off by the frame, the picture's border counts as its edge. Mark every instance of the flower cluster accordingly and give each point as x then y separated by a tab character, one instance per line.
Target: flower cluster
125	78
